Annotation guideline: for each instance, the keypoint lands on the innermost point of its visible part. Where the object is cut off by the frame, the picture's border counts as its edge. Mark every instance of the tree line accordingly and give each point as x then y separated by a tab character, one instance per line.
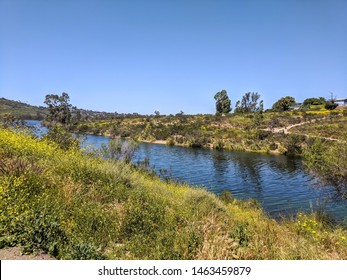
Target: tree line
251	103
61	111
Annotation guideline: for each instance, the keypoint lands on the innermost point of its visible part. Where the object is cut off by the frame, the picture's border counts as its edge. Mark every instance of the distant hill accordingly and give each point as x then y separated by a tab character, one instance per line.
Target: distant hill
22	110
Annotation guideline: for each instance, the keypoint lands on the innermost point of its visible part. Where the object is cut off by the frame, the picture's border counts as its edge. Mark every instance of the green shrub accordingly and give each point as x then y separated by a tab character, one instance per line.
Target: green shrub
241	234
64	139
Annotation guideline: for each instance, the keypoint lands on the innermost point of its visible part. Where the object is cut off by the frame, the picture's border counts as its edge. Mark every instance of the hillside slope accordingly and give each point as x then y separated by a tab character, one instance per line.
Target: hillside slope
77	206
21	110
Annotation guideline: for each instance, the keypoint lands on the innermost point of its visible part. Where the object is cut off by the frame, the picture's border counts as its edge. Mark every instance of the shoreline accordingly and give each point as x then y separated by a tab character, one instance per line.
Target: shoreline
164	142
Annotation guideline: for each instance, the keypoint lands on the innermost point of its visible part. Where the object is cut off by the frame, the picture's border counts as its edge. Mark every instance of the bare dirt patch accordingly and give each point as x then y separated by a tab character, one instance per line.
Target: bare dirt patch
14	253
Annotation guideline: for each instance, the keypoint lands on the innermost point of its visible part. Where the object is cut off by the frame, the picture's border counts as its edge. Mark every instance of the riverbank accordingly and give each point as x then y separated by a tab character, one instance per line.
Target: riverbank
274	133
84	207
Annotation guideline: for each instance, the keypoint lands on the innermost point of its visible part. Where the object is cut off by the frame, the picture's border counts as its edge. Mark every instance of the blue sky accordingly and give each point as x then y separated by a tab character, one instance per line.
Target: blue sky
142	56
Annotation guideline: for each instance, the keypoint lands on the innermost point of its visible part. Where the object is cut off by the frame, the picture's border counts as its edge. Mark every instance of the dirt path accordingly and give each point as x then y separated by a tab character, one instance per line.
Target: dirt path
285	130
14	253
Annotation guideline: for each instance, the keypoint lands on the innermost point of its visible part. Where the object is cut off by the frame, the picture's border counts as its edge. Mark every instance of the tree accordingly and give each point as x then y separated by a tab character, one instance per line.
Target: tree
261	106
283	104
222	102
59	108
314	101
249	103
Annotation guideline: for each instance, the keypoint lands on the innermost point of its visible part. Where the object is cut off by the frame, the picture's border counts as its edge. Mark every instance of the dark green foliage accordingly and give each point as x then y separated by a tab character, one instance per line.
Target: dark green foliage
41	231
293	144
273	146
314	101
263	134
283	104
84	251
330	105
257	119
223	103
249	103
59	108
241	234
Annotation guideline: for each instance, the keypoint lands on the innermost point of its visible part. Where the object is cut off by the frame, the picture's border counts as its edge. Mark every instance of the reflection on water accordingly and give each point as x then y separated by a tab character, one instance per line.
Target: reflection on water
279	183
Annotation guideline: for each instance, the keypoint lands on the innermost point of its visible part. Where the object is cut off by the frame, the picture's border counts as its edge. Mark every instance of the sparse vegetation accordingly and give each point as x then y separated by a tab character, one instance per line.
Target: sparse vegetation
257	131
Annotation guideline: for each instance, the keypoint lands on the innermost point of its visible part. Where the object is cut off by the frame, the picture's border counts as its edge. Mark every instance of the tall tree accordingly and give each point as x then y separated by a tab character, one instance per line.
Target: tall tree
283	103
249	103
59	108
223	103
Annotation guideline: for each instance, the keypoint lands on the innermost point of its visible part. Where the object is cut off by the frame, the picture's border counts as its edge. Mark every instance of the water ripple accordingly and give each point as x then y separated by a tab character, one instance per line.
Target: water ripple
279	183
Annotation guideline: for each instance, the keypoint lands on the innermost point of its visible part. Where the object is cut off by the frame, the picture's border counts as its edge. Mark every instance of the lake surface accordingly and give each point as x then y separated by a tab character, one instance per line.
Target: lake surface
279	183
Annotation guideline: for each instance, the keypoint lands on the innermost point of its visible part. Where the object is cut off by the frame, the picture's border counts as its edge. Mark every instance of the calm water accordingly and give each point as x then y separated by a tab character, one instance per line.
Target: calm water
279	183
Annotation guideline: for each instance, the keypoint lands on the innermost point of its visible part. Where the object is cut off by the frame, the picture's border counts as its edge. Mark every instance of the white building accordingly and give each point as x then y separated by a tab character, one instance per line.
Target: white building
341	101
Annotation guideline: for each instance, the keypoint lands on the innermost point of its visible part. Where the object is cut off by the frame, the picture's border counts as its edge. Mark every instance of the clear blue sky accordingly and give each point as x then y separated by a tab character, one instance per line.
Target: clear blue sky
141	56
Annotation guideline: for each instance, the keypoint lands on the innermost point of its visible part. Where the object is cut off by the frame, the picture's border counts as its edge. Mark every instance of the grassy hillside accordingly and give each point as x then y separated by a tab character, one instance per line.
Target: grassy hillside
334	126
77	206
266	132
25	111
21	110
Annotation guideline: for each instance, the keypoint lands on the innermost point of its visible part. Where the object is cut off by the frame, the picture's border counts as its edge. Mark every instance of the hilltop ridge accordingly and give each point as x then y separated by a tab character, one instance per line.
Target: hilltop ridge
21	110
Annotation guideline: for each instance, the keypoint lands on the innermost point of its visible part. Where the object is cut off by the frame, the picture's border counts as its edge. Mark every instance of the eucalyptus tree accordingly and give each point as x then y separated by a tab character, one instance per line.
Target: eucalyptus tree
223	103
59	108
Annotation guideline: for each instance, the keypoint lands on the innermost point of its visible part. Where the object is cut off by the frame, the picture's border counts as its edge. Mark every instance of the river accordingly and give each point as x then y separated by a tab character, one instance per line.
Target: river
279	183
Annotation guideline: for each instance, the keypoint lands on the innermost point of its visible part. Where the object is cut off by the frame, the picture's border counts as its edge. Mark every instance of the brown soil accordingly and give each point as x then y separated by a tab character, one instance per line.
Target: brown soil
14	253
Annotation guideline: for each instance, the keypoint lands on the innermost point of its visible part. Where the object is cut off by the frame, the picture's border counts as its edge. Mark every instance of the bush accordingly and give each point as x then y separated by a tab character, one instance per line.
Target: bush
330	105
170	141
116	149
294	144
328	160
64	139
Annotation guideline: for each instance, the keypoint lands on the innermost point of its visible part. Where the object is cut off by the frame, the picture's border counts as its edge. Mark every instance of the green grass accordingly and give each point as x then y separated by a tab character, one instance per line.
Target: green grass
77	206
